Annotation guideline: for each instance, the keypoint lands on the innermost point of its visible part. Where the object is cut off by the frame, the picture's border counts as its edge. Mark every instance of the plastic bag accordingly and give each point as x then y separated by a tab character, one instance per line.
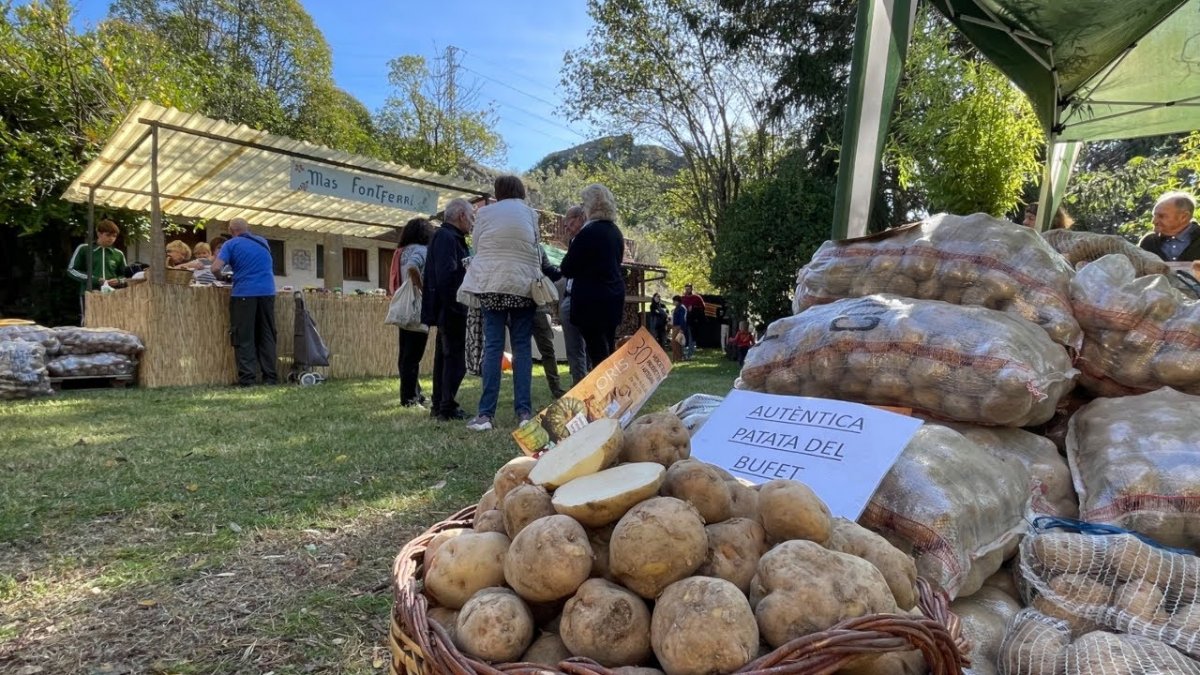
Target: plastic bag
40	334
1081	248
1140	333
952	506
1050	484
405	309
1040	645
76	340
23	370
974	260
695	410
1135	462
984	617
92	365
1115	582
967	364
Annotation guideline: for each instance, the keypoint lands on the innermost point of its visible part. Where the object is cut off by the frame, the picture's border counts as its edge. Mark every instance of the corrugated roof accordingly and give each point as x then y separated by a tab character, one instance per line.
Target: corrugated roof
207	170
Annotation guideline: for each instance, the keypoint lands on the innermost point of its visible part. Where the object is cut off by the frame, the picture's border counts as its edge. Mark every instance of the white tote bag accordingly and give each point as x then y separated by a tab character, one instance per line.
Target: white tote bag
405	309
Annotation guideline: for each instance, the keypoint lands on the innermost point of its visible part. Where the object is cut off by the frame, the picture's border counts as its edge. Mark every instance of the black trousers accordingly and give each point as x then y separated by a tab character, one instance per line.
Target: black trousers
600	343
543	337
449	363
252	332
412	348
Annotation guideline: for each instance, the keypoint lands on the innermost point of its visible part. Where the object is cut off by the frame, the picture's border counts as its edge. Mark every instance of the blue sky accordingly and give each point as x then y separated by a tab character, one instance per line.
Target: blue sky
514	50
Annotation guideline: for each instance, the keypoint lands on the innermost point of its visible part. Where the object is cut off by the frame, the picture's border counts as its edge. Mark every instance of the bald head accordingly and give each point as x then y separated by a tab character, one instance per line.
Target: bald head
238	226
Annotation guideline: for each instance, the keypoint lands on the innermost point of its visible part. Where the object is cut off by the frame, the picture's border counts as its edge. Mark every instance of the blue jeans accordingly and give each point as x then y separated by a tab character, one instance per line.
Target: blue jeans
520	327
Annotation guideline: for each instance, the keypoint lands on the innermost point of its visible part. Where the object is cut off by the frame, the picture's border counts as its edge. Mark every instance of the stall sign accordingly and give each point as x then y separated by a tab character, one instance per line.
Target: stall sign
617	389
327	180
839	449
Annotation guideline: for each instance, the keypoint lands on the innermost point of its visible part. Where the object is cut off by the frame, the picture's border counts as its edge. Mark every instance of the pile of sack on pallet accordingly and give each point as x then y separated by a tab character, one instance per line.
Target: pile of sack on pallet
1060	377
31	355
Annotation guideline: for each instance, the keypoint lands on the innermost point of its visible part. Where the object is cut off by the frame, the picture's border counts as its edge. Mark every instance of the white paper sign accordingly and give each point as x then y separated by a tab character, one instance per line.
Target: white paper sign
841	450
327	180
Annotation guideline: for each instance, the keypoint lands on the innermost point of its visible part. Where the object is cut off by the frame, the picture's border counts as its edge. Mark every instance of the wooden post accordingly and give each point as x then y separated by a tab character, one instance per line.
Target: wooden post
91	235
334	274
158	243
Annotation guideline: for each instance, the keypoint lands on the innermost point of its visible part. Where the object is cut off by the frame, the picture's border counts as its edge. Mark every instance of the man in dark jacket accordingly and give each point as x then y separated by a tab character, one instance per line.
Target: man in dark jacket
445	267
1176	235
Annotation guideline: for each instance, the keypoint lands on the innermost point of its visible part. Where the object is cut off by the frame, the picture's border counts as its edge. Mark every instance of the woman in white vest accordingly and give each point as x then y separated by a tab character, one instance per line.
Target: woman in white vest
500	278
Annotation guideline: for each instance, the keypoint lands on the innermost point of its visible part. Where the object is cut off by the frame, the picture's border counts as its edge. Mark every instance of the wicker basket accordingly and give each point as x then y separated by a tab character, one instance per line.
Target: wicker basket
422	647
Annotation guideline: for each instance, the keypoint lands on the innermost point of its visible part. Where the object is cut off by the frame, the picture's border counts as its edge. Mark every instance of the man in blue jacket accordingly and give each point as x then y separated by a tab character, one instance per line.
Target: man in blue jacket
445	267
251	303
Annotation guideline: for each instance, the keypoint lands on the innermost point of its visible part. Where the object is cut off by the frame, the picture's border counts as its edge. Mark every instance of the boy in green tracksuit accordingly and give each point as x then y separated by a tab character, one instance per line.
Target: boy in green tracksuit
108	263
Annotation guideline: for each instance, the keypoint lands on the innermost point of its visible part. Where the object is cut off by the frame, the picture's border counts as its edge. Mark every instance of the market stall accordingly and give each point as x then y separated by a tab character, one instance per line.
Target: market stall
330	217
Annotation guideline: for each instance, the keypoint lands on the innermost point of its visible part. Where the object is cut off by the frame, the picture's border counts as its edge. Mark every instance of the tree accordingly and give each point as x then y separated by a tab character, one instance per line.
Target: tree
658	69
433	120
964	139
770	231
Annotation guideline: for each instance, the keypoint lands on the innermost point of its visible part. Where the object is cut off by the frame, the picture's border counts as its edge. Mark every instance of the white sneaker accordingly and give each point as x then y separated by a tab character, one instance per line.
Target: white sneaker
480	423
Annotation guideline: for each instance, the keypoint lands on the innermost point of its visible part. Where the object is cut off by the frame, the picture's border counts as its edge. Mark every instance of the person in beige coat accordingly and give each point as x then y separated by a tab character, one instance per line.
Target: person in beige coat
499	280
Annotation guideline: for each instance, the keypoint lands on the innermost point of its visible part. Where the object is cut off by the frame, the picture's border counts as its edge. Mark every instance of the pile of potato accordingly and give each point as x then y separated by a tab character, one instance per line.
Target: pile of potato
1081	248
974	260
968	364
1140	333
32	333
91	365
615	546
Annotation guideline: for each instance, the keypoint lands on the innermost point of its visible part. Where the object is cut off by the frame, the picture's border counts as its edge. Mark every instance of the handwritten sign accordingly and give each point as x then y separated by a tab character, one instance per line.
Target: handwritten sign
841	450
617	388
327	180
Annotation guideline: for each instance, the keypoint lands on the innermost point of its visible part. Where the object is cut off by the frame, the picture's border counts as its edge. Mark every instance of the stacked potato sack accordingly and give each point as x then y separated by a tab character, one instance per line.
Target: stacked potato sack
972	261
95	352
1081	248
617	547
1140	333
1105	604
23	371
1136	464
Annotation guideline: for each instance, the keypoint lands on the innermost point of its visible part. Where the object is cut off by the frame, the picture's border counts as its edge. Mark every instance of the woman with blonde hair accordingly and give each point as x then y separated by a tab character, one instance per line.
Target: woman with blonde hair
596	282
178	253
499	280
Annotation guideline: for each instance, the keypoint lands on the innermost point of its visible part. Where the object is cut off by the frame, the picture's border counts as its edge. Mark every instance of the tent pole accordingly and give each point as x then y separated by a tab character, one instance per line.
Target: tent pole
158	245
91	235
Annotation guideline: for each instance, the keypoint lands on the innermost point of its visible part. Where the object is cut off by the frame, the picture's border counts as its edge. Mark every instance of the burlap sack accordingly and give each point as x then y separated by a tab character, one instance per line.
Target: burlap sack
1140	333
967	364
953	507
76	340
974	260
1135	462
1081	248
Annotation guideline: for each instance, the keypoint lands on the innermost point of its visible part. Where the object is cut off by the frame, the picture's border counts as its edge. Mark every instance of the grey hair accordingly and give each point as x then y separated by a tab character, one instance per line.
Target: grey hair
574	211
239	225
456	209
599	202
1180	200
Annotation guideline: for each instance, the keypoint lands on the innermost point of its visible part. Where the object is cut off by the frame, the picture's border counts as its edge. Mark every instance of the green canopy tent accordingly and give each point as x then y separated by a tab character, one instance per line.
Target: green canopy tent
1093	70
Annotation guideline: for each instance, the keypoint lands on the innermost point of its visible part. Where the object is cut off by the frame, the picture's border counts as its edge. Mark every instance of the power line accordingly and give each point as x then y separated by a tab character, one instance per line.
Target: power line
534	115
535	130
543	85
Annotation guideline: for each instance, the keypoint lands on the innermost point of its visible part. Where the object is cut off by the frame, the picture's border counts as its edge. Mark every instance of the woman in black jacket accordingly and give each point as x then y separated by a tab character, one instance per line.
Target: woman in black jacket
596	283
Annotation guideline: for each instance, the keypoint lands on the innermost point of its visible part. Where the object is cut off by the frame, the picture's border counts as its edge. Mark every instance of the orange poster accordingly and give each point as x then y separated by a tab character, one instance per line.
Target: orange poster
617	388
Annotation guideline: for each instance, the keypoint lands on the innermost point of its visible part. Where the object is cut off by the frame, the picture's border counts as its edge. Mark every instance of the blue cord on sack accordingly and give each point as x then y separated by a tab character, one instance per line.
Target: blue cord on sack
1043	523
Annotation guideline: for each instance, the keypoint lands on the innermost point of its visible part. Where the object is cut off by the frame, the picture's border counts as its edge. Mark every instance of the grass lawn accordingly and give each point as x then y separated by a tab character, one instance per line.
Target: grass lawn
225	530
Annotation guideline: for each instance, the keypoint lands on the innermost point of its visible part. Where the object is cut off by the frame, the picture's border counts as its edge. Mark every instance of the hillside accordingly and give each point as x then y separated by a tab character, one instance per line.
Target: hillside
620	150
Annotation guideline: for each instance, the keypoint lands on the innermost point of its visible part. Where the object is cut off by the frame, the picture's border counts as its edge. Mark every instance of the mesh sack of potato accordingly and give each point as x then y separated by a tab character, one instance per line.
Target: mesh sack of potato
1050	486
32	333
1136	464
76	340
91	365
1037	644
974	260
1115	582
695	410
952	506
985	616
968	364
1081	248
1140	333
23	370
